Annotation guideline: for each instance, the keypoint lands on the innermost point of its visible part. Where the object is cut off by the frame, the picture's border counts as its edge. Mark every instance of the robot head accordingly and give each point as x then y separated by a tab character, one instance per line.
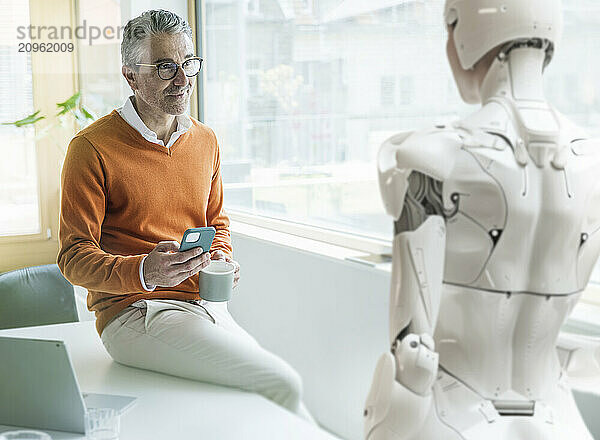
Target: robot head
482	25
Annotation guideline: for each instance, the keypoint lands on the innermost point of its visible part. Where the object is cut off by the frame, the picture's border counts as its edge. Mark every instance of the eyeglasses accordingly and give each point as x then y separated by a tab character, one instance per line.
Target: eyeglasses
168	70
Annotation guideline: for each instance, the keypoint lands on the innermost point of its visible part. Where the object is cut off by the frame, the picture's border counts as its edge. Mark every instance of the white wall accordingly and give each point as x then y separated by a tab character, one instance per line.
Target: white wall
327	317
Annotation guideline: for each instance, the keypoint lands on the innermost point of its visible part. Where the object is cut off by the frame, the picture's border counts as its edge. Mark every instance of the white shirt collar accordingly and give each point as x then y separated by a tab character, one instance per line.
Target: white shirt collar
130	115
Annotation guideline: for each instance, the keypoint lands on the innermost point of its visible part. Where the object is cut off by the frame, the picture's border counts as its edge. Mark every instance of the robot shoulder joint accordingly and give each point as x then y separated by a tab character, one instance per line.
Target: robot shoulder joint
430	152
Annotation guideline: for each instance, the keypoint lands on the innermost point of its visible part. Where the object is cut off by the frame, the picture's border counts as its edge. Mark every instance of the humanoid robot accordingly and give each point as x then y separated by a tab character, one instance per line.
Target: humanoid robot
496	233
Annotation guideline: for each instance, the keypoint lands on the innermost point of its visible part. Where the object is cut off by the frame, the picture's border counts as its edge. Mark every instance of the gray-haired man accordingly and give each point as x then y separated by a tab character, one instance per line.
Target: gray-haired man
140	176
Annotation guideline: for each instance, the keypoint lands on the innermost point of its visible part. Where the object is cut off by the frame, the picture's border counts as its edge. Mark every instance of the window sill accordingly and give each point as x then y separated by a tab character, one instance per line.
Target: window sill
26	238
307	245
314	234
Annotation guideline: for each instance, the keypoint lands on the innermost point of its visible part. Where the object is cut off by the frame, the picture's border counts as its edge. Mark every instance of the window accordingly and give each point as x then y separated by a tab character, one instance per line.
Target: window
19	195
301	99
301	95
31	157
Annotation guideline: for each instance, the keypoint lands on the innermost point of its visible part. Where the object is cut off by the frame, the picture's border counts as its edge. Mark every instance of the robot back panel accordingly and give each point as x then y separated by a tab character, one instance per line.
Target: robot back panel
523	228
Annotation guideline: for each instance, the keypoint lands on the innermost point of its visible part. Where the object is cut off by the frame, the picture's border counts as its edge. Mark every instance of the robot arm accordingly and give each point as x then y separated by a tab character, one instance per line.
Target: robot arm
400	396
411	170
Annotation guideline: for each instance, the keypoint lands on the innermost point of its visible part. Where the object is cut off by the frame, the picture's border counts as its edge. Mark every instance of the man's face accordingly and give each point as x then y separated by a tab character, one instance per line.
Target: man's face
166	96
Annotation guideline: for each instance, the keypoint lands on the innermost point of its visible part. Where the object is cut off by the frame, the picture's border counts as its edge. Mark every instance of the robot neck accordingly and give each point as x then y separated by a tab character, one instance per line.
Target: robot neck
517	78
516	84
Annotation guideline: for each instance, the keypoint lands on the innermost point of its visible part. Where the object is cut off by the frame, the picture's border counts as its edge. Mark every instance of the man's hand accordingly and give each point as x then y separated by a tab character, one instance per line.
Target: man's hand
166	267
220	255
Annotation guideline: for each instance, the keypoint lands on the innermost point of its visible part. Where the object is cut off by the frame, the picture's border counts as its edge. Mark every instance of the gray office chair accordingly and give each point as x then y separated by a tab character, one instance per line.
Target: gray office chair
37	295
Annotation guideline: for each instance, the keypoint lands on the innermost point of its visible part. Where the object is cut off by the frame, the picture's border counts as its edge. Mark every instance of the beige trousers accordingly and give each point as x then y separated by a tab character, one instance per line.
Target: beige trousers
200	340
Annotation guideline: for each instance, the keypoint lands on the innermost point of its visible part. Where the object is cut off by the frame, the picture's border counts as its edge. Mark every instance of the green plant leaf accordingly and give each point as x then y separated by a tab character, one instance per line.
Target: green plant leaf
69	104
31	119
86	113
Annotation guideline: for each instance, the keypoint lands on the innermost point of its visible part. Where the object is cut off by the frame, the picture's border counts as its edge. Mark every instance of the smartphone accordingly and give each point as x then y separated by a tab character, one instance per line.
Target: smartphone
197	237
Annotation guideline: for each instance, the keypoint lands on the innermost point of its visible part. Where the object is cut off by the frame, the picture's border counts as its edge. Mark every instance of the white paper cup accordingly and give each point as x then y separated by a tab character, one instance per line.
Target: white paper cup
216	281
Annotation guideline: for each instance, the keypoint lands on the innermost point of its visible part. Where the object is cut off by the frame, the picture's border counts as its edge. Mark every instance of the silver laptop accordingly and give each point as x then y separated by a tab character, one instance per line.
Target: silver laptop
38	387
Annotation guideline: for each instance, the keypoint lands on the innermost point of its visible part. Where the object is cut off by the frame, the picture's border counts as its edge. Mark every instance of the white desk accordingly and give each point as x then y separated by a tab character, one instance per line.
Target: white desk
169	407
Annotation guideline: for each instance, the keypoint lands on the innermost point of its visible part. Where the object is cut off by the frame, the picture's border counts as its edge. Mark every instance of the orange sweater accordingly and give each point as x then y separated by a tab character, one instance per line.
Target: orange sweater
121	195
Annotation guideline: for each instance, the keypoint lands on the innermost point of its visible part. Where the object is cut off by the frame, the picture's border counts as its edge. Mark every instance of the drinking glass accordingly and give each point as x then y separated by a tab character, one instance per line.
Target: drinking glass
24	435
102	424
